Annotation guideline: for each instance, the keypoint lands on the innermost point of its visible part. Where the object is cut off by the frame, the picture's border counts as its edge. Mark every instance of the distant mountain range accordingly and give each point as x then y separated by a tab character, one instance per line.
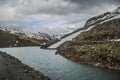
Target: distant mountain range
15	34
20	31
16	37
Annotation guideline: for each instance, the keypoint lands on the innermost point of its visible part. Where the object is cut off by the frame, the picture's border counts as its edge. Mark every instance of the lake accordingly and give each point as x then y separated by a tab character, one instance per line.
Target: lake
57	67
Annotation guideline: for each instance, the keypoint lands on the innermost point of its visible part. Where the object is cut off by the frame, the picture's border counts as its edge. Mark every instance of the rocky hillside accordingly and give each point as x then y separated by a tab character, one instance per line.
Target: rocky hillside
97	47
98	20
103	18
105	31
20	31
11	40
9	31
106	27
8	40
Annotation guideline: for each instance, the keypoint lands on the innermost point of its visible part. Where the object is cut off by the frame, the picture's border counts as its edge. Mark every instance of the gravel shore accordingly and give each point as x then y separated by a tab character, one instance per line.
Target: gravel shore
13	69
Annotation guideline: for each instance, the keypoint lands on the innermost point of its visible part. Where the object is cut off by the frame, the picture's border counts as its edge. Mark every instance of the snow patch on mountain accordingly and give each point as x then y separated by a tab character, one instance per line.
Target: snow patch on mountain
104	17
20	31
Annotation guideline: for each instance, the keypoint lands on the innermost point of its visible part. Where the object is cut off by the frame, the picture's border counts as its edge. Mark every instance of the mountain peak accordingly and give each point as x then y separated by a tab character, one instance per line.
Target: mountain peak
117	10
103	17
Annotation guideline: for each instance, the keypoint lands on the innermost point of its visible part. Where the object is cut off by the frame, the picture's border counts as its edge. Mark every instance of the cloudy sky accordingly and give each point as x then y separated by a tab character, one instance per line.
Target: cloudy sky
53	16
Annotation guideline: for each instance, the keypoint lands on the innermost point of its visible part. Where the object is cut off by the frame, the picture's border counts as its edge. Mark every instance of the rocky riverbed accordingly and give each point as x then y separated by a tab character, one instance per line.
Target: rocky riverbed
13	69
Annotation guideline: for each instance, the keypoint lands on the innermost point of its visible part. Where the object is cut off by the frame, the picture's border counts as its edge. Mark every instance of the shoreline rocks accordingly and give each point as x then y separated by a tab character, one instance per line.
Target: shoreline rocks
13	69
105	55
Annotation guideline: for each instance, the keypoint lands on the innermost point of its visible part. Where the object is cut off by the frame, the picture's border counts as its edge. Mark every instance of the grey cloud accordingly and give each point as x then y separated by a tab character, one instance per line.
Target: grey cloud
68	13
9	2
90	4
93	2
4	1
55	8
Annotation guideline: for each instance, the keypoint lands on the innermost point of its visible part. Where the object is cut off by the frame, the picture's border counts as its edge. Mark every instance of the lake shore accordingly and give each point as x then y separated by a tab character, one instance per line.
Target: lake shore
13	69
100	54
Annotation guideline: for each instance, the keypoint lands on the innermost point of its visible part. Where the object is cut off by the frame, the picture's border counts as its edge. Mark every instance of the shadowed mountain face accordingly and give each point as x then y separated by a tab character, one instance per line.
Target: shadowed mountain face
97	46
8	32
21	31
7	39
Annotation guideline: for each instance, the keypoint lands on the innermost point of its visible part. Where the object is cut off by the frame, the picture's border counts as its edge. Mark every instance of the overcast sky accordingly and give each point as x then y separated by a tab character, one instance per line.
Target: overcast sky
59	15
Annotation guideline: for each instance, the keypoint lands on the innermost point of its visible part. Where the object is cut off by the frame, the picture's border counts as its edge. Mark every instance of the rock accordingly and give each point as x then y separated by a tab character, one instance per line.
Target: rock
97	64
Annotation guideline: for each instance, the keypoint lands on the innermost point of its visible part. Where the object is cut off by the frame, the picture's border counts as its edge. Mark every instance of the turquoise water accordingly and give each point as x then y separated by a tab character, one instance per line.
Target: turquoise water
58	68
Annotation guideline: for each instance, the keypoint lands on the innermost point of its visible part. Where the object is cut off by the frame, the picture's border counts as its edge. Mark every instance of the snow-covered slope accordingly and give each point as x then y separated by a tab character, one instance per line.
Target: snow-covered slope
104	17
39	35
20	31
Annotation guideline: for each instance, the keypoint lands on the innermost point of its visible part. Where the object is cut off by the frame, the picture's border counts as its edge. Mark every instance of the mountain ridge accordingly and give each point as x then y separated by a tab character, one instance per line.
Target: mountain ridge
19	31
97	46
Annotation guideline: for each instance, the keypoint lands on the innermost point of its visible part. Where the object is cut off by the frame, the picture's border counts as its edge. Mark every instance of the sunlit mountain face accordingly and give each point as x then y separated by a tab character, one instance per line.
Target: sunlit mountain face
51	16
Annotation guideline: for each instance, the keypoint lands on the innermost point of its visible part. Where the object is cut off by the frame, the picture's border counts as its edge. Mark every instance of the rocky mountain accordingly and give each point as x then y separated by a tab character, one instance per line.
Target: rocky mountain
103	17
9	40
99	46
16	35
98	20
20	31
104	29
